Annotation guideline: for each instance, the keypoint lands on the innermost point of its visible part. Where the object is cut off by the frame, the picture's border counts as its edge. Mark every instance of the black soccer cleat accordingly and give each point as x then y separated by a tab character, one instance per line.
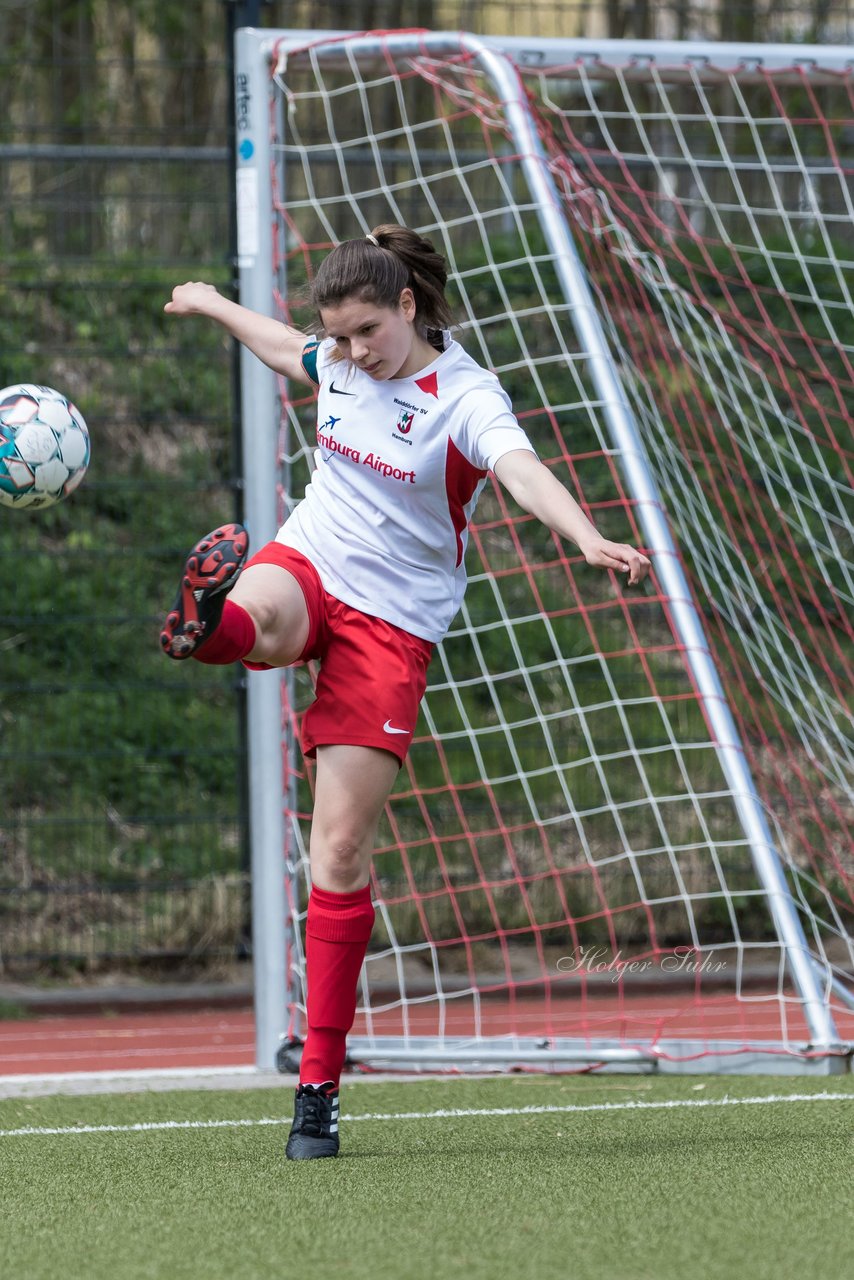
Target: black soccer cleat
314	1133
211	570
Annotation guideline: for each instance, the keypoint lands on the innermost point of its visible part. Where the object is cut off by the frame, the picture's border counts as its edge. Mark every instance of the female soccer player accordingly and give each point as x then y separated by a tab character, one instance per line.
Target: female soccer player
365	575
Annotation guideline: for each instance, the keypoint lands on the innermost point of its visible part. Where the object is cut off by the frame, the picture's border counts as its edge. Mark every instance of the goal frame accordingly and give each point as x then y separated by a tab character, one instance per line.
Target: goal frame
499	60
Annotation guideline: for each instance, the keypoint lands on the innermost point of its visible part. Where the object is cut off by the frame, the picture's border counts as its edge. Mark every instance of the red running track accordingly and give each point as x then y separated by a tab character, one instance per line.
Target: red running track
172	1039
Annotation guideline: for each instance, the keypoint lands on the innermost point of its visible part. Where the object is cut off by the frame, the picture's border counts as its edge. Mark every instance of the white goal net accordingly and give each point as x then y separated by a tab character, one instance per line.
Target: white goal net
623	834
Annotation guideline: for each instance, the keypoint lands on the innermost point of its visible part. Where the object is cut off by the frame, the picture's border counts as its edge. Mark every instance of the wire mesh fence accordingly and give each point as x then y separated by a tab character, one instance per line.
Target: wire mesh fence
122	836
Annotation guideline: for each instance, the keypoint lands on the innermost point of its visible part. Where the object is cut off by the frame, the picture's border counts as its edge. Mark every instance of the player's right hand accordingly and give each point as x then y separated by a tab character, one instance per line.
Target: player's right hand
190	299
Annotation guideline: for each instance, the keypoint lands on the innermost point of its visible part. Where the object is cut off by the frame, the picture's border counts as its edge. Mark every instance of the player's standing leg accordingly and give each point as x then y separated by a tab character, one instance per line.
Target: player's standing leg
352	786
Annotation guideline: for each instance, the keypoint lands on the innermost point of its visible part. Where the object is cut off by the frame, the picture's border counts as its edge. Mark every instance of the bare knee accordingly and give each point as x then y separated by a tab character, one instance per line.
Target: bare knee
274	601
353	783
339	863
265	615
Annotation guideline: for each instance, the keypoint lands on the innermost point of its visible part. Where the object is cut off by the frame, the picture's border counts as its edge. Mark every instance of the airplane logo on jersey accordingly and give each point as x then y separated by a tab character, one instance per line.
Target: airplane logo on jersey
326	440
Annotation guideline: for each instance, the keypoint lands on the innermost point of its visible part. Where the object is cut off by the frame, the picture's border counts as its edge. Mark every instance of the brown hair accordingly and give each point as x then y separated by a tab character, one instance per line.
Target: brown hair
378	272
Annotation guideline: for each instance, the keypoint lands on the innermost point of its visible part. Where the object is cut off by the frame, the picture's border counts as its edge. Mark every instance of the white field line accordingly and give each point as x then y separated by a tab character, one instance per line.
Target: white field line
443	1114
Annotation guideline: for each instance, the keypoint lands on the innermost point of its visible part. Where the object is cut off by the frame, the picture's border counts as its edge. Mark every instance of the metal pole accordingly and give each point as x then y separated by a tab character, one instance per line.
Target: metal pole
260	415
668	55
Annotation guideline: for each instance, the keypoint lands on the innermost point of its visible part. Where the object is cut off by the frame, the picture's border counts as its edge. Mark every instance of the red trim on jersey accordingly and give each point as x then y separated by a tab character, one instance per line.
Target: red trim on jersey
461	480
429	384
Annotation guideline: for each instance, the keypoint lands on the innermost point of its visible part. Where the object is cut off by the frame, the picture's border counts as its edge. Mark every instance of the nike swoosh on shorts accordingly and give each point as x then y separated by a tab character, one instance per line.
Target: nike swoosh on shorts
388	727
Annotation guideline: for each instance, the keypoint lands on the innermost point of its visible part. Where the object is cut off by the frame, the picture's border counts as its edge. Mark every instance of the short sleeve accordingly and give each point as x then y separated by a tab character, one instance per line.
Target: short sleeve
319	357
488	428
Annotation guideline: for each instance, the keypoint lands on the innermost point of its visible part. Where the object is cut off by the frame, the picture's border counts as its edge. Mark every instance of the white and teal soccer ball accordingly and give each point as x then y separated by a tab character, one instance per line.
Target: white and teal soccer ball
44	446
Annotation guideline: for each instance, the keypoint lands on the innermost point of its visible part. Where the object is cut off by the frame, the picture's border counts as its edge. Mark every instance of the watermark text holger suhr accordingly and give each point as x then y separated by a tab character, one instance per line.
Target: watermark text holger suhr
589	961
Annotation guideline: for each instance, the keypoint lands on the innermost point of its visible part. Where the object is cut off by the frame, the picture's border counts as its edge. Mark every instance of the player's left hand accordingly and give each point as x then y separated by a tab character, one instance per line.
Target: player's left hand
618	556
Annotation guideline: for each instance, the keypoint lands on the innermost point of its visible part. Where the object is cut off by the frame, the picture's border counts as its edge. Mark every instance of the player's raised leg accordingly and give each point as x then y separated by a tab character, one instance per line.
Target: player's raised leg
210	571
224	612
353	784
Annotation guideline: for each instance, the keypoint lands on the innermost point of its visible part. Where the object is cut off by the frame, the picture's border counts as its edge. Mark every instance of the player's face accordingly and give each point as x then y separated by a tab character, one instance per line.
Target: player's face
383	341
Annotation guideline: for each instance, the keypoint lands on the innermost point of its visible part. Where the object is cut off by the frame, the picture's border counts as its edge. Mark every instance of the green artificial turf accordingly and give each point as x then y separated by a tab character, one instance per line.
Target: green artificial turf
758	1190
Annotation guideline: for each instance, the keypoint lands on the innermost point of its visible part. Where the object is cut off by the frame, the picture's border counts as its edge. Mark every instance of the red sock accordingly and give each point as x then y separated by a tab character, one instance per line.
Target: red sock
337	931
232	639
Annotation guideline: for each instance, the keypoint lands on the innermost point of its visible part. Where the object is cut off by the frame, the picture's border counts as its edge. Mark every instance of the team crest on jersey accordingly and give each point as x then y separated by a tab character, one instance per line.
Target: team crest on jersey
404	422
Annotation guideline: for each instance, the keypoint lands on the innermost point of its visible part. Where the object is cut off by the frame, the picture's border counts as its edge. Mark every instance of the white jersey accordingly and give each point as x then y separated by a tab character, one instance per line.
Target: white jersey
400	466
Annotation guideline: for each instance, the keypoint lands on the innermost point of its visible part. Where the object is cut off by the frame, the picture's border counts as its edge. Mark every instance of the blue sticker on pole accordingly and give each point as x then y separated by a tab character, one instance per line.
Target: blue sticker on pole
246	149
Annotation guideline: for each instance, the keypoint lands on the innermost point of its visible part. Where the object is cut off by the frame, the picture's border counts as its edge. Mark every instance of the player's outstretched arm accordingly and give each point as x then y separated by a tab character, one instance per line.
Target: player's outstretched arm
276	344
538	491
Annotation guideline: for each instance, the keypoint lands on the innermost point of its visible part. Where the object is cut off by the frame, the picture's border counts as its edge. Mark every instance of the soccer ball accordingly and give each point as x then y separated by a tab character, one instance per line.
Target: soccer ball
44	446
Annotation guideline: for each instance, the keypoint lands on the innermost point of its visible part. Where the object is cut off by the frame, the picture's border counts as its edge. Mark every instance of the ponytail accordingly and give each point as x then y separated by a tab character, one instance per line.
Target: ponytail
377	267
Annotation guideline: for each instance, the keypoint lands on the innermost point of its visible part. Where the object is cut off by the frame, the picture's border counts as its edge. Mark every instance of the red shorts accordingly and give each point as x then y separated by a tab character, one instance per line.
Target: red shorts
372	674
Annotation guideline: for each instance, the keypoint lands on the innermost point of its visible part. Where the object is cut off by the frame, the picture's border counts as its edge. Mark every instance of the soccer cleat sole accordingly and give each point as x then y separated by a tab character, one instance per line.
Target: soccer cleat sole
211	569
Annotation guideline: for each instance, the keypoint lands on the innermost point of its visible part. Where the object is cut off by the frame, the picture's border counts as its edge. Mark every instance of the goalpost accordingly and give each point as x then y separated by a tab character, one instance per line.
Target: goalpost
623	835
